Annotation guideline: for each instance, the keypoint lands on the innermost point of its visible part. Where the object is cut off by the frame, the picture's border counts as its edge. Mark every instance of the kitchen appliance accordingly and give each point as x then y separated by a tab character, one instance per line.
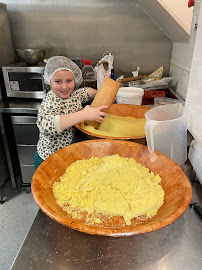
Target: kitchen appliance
23	81
26	81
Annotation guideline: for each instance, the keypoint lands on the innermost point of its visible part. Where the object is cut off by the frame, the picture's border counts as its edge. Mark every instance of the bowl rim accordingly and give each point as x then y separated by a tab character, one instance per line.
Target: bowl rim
29	49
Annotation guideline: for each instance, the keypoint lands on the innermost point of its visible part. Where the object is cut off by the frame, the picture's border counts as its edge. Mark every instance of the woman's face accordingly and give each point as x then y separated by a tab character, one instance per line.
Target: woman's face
62	83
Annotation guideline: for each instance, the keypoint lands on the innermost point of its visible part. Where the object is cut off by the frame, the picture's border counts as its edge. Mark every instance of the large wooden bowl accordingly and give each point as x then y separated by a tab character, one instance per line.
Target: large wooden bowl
174	182
136	111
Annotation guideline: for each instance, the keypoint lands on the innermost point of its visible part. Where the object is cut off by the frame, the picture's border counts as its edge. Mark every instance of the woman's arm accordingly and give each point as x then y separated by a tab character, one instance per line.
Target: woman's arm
88	113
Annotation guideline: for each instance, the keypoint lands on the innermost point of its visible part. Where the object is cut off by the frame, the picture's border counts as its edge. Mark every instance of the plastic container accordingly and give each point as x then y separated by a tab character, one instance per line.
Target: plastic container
89	77
166	131
195	158
130	95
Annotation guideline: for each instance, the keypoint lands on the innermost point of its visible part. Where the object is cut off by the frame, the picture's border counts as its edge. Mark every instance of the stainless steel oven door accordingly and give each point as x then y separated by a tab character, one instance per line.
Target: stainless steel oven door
24	82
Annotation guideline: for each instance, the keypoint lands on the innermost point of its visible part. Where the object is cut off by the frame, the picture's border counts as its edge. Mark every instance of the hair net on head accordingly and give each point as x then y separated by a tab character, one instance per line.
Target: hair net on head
56	63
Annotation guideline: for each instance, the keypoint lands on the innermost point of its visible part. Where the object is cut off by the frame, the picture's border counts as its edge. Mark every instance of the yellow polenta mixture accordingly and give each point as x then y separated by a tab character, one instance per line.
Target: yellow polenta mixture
118	126
111	185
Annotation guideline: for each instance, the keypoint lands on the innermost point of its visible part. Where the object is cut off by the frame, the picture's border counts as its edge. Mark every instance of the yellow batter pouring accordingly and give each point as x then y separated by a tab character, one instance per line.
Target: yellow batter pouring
118	126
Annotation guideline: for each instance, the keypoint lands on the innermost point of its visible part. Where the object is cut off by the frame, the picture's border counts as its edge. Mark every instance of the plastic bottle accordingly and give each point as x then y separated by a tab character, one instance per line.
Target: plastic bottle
89	79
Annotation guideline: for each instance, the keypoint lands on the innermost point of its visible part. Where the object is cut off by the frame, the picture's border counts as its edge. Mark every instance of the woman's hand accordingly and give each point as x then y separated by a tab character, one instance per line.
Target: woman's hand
95	114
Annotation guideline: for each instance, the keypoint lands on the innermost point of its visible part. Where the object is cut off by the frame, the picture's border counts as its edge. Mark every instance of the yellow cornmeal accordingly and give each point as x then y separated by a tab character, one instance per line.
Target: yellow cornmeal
111	185
118	126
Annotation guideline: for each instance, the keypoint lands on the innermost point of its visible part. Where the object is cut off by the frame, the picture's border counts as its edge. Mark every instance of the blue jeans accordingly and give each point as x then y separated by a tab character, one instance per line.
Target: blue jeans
37	160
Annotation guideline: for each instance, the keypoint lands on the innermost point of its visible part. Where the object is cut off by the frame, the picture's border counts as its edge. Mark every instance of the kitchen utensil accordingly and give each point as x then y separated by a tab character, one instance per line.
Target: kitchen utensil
121	110
31	56
130	79
176	185
105	96
166	131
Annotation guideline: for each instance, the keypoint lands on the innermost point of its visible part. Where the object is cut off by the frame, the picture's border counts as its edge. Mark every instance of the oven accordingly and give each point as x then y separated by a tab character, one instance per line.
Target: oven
23	81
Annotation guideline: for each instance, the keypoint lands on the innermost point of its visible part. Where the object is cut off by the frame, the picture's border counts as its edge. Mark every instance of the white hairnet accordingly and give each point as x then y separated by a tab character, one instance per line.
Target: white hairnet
56	63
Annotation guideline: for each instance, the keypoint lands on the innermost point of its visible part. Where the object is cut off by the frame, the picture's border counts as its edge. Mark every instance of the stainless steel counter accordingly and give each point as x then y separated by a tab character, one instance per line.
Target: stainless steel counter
52	246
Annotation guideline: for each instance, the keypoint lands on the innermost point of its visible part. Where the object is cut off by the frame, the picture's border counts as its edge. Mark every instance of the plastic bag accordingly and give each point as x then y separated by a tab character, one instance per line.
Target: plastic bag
158	83
103	67
156	75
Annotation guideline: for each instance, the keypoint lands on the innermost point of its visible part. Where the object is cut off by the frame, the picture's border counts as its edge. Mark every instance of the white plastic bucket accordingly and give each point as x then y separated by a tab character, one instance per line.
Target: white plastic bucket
166	131
130	95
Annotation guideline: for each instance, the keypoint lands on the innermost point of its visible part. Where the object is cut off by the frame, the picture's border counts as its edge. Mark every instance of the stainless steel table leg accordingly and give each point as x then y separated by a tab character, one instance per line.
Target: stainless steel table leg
8	157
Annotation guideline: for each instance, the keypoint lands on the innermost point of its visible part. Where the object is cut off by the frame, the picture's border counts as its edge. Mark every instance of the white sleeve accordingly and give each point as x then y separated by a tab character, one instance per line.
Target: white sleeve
57	123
